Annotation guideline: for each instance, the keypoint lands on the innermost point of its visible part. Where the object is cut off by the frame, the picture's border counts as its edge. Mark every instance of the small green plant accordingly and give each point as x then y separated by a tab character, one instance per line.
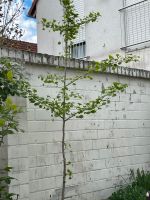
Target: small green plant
136	189
8	122
5	181
11	79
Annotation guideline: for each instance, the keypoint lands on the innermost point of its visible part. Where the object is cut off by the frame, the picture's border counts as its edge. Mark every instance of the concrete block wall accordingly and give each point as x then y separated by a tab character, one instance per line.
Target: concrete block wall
14	153
105	146
18	154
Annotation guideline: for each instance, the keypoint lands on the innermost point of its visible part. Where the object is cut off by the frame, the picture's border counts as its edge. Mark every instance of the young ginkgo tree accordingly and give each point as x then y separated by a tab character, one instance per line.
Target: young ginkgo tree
67	103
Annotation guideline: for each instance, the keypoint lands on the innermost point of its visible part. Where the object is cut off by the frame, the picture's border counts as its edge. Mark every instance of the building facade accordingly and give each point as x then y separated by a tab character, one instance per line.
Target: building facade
123	27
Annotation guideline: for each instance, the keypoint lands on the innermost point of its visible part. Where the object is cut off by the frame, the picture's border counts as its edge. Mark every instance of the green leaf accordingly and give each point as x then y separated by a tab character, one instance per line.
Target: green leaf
10	75
2	122
8	169
8	101
14	107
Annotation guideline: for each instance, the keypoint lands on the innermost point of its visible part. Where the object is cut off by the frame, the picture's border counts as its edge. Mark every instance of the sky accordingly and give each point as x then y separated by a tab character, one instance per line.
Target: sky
28	24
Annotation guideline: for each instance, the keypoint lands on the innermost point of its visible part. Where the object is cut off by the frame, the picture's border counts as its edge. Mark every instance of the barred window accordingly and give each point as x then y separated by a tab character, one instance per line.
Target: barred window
78	50
136	23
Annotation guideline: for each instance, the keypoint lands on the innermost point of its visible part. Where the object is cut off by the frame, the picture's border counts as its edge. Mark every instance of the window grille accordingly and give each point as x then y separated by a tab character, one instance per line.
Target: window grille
131	2
78	50
135	17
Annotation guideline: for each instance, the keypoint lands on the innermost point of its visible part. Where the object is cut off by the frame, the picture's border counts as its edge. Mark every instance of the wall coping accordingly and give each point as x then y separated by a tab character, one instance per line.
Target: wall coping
45	59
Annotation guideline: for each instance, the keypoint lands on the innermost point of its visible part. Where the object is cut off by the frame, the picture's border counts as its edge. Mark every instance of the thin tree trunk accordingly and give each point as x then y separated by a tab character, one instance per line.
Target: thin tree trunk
64	123
64	161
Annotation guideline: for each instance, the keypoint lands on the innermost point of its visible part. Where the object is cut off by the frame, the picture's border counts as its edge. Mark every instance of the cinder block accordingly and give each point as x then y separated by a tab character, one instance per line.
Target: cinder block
19	151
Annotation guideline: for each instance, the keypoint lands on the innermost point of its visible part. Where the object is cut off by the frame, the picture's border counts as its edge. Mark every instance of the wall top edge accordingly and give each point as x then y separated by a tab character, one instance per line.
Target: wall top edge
45	59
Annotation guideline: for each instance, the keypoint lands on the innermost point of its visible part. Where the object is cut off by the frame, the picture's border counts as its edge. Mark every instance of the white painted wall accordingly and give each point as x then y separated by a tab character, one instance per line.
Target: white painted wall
104	145
103	37
48	41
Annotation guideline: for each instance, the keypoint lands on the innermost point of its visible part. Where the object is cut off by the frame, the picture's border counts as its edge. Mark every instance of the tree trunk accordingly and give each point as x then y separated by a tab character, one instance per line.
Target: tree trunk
64	161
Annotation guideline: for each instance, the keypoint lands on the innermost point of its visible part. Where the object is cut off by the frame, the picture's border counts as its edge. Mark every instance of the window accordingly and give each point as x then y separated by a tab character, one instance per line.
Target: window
78	50
136	23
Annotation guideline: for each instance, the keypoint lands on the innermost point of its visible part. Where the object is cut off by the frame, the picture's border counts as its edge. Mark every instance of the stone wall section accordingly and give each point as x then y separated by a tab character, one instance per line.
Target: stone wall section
104	146
18	154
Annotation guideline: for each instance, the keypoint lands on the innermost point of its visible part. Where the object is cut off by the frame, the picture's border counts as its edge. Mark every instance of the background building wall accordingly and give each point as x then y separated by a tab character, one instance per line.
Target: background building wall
105	146
104	37
48	41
